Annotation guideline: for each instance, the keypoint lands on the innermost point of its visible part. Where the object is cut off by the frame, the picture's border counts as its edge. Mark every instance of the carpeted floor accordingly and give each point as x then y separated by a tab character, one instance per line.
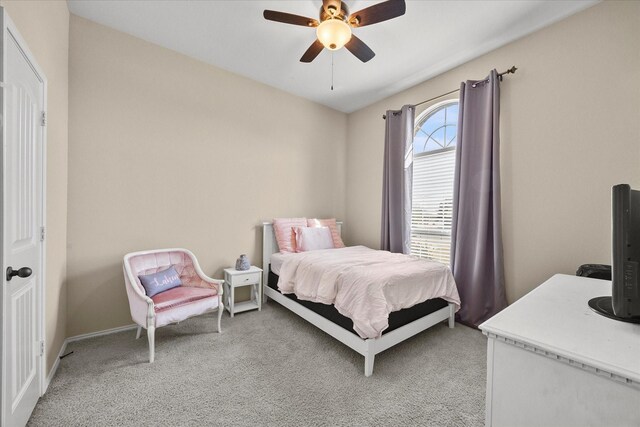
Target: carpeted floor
268	368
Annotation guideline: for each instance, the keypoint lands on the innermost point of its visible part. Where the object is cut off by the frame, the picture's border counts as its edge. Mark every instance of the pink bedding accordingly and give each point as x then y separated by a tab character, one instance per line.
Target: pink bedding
365	284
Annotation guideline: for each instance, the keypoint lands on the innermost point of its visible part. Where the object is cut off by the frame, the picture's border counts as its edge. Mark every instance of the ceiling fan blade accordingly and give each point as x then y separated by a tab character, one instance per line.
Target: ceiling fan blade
289	18
359	49
377	13
313	51
331	7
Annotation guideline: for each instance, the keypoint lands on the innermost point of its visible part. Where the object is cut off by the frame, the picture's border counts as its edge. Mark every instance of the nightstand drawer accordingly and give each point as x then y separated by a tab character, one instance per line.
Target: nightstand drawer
244	279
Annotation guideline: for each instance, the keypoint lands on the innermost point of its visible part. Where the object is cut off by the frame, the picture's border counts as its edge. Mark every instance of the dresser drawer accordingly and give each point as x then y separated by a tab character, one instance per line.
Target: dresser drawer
244	279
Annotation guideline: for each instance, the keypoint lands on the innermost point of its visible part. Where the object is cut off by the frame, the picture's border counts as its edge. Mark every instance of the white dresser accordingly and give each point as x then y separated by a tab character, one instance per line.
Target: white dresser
552	361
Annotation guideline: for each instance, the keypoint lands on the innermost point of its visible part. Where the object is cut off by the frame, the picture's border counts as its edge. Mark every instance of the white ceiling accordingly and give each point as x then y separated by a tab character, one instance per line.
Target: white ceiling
431	38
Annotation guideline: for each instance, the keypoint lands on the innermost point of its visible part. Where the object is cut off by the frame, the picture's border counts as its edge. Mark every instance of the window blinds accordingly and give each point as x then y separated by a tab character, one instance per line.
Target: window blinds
433	175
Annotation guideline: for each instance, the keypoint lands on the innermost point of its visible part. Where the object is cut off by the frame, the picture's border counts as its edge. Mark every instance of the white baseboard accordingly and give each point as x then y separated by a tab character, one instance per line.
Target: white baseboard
100	333
54	368
80	337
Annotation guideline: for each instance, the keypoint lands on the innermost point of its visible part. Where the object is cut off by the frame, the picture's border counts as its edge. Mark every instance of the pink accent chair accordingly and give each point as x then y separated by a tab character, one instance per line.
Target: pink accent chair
197	295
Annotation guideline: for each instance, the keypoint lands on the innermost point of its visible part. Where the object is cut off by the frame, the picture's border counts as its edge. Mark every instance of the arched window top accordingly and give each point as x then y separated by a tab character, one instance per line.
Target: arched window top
436	128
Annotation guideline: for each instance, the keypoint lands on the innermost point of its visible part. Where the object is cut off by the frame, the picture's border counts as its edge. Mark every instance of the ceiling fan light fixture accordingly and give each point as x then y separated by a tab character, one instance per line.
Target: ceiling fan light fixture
333	33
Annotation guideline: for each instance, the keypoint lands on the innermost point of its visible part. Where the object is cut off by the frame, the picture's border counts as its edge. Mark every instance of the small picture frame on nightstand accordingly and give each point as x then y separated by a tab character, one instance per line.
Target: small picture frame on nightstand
238	278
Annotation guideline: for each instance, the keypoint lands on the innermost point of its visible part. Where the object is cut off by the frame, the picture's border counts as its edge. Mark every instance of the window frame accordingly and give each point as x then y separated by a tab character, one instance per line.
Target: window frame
424	116
419	122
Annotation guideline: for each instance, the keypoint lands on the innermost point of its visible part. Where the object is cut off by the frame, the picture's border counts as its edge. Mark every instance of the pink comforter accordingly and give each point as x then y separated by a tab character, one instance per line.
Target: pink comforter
365	284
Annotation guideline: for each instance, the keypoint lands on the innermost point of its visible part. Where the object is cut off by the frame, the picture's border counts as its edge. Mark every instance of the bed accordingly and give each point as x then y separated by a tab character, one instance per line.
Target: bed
402	324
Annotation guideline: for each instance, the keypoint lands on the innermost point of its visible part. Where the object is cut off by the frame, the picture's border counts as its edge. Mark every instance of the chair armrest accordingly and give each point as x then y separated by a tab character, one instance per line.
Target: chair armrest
132	289
207	282
140	305
216	282
203	277
137	297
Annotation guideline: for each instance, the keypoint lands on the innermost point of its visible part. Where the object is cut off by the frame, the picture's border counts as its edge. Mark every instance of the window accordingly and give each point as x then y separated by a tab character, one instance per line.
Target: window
434	158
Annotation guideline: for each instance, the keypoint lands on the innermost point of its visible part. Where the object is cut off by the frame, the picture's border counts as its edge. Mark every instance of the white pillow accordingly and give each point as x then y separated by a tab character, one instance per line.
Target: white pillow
313	238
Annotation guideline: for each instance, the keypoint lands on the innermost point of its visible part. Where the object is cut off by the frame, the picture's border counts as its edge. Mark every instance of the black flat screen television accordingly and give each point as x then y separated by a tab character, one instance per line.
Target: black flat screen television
624	302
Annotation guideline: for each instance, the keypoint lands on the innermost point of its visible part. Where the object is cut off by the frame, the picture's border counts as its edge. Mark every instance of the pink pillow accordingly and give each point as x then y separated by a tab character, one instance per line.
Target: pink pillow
283	228
312	238
331	223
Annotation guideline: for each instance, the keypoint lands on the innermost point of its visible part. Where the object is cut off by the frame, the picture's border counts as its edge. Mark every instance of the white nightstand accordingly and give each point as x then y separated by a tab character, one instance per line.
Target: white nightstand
235	278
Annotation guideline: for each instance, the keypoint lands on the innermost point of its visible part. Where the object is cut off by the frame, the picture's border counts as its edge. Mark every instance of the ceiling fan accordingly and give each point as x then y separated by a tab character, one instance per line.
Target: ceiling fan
333	31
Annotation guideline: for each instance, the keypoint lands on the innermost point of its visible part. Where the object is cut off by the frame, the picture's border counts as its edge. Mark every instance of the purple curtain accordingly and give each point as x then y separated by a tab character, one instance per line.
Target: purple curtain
476	235
397	180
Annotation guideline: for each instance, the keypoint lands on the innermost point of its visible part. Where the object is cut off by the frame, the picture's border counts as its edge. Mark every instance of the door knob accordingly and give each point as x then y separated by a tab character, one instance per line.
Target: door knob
23	272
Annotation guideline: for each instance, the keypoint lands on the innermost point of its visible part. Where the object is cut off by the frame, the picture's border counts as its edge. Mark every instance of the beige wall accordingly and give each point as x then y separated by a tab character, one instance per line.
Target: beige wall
167	151
160	144
45	27
570	130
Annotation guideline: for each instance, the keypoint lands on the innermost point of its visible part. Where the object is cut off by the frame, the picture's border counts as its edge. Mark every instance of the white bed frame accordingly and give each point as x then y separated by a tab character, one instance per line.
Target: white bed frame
367	347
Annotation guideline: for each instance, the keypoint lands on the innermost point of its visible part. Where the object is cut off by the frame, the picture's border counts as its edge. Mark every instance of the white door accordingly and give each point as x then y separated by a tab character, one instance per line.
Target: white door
22	218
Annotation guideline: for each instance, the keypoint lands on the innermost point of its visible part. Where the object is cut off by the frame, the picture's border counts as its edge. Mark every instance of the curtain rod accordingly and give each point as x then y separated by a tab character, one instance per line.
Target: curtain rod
511	70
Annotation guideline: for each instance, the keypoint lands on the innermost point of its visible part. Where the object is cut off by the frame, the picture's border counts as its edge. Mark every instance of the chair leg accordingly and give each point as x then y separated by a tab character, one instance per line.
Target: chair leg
220	310
139	332
151	332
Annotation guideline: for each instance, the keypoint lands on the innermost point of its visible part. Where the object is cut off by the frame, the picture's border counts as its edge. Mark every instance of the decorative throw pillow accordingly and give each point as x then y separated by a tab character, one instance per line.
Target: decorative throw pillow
285	237
331	223
312	238
161	281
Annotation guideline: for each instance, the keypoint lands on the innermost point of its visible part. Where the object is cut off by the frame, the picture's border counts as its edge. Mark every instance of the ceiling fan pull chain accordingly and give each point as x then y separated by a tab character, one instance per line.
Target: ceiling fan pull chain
331	70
